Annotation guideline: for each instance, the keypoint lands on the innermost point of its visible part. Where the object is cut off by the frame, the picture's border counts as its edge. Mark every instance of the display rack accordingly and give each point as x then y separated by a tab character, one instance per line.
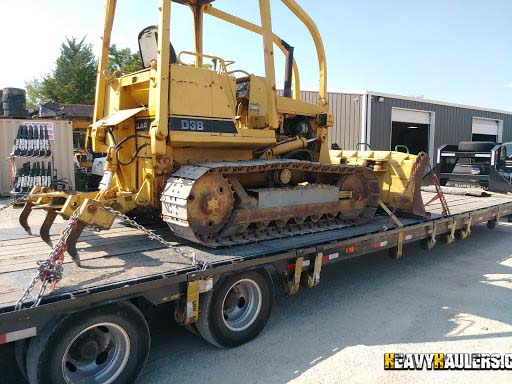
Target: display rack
31	160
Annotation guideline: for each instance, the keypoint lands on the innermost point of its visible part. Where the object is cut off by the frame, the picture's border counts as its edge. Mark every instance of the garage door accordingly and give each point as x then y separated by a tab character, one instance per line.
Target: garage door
410	116
485	126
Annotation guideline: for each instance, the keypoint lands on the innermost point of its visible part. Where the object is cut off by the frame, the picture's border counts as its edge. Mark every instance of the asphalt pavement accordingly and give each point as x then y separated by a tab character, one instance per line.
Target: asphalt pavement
454	299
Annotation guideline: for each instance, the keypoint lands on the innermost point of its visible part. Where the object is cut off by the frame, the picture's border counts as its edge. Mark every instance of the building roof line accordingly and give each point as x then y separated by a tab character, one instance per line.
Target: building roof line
419	99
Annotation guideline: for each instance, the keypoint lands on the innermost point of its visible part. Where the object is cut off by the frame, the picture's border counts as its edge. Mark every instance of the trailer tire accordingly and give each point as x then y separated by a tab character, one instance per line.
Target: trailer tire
476	146
115	350
428	243
491	224
447	238
461	234
20	354
247	297
191	328
393	253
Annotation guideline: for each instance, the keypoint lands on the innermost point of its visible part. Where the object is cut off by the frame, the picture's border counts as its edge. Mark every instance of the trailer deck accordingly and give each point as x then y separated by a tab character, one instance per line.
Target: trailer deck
124	262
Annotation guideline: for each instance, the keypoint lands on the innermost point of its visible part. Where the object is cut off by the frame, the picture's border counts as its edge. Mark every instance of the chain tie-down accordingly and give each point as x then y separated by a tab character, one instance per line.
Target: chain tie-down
51	269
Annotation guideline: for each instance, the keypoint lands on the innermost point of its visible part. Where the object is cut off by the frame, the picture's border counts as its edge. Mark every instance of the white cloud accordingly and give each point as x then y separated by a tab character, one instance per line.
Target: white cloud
509	109
509	85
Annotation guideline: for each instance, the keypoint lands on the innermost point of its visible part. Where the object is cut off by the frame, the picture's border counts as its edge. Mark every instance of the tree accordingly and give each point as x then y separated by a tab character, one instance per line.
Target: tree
123	60
73	79
33	88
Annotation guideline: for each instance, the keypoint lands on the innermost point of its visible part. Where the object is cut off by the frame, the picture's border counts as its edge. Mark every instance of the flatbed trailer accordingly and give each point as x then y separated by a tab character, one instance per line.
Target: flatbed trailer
226	299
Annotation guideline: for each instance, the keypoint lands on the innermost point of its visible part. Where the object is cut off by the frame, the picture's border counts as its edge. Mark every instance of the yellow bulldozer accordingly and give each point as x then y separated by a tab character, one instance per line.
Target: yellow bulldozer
217	153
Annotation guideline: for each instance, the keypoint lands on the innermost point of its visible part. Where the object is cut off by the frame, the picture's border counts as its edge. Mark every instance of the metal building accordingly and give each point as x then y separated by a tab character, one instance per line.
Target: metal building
384	120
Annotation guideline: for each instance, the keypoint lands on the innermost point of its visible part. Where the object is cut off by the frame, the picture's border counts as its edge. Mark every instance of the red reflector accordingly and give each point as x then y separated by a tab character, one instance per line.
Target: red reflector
3	339
325	258
380	244
291	267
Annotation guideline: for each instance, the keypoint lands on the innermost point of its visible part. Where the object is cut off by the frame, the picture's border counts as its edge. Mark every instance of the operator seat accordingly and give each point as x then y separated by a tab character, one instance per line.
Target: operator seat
148	46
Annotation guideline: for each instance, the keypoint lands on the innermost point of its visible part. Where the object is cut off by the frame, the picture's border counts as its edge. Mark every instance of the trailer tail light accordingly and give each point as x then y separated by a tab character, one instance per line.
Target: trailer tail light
351	249
17	335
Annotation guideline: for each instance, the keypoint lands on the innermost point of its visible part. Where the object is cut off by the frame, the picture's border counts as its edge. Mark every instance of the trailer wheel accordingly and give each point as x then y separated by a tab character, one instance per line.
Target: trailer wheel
491	224
101	345
191	328
447	238
236	311
393	253
461	234
20	353
428	243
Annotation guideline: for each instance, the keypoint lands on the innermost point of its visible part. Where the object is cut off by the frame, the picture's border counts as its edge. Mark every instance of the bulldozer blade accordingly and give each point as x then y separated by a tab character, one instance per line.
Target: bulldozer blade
72	240
23	219
44	232
417	207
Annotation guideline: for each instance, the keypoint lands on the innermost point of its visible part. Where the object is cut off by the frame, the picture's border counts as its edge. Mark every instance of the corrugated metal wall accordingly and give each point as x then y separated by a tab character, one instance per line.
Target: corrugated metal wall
347	110
61	145
452	124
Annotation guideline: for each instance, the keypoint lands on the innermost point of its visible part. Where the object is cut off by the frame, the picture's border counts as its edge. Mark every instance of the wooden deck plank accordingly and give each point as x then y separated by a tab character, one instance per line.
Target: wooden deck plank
94	239
21	263
23	238
462	204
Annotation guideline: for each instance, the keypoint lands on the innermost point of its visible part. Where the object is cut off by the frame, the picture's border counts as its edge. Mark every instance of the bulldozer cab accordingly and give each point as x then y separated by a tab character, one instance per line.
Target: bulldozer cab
248	98
188	102
259	109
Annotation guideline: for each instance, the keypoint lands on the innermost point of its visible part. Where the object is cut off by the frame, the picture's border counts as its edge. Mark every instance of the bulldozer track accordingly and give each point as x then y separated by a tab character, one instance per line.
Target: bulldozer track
246	225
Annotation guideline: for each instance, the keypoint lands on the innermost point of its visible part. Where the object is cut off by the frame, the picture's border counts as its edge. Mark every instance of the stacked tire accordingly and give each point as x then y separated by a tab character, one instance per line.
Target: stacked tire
14	102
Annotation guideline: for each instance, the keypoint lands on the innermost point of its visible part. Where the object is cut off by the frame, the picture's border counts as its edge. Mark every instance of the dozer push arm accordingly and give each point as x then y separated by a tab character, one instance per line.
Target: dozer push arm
315	34
270	73
159	128
101	83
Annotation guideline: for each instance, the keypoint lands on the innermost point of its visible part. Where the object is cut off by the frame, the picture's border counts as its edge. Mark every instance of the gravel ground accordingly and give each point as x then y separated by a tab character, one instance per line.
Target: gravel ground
453	299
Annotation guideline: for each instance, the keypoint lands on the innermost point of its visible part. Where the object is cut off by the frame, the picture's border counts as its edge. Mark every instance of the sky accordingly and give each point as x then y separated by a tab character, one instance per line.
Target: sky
457	51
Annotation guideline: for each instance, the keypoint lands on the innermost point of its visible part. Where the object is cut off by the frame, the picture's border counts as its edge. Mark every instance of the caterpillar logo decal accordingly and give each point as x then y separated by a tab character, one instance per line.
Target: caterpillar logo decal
143	124
201	125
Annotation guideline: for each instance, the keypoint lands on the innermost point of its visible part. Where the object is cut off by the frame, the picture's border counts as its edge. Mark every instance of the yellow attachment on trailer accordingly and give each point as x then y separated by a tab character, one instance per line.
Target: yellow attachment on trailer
400	175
